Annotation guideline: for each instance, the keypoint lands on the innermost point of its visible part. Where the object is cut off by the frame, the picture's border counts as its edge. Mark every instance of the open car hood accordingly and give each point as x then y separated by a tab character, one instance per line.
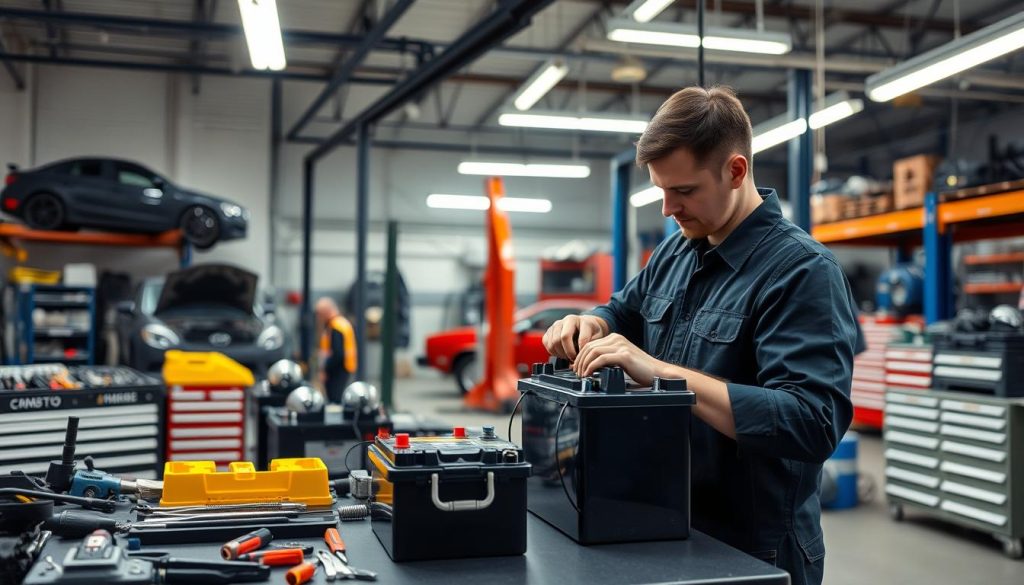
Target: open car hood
208	284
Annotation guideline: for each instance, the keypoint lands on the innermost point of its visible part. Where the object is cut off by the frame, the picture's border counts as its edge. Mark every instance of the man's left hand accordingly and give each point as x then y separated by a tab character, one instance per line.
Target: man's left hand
616	350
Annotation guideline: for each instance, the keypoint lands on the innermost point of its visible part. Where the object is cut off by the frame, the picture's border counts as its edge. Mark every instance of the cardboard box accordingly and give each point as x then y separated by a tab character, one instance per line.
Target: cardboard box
827	208
912	179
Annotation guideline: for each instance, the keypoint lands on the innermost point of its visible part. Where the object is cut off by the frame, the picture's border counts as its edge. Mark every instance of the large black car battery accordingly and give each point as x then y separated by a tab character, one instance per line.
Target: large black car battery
449	496
611	460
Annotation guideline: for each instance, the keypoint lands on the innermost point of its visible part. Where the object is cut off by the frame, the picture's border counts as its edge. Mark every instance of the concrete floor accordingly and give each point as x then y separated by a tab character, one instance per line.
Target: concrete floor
864	544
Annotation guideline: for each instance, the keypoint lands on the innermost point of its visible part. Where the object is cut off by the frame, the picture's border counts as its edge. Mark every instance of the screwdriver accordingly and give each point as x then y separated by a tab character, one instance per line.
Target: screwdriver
333	539
300	574
256	539
281	557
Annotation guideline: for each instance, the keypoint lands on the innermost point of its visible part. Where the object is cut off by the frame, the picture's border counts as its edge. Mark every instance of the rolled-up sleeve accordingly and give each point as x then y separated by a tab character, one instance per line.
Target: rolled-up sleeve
804	339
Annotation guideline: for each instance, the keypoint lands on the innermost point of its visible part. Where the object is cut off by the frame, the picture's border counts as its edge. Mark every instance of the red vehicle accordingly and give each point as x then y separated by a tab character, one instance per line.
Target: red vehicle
455	351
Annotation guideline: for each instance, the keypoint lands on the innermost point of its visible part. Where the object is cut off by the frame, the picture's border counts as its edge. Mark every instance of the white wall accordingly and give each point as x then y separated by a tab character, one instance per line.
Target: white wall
217	141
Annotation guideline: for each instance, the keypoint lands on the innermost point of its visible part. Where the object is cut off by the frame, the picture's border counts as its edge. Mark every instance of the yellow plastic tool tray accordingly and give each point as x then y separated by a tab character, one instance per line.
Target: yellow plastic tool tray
28	275
201	368
198	483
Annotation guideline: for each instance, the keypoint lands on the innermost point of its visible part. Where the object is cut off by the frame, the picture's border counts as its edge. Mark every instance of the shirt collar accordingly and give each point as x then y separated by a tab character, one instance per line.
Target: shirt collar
740	244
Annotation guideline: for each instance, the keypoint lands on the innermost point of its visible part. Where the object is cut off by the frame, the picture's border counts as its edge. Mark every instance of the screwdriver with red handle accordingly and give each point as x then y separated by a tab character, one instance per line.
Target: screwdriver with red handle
333	539
255	540
280	557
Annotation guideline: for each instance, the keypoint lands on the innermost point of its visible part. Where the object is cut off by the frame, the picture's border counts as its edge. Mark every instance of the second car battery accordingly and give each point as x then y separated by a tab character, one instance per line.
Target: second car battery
449	496
611	460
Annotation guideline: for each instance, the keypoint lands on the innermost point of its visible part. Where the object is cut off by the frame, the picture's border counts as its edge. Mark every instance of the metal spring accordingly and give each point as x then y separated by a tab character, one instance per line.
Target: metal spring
354	512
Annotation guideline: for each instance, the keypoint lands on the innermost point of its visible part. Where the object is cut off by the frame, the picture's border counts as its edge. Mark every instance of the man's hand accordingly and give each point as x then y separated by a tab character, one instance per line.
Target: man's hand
566	336
616	350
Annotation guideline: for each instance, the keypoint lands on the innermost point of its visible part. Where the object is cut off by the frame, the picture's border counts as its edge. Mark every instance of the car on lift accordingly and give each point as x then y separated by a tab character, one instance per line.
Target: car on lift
207	307
454	351
117	195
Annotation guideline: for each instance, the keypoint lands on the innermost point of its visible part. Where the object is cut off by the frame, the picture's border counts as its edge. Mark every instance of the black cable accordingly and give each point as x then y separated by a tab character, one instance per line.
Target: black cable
349	452
512	416
558	464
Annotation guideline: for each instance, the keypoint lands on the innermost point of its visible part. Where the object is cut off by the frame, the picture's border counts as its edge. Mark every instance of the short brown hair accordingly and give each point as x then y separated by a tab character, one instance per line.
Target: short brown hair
707	122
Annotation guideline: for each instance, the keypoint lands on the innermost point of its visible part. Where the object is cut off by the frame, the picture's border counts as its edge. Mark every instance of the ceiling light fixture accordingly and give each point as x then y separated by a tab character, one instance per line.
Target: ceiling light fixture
646	10
645	196
540	83
837	107
776	131
479	203
564	121
263	34
942	62
577	170
685	35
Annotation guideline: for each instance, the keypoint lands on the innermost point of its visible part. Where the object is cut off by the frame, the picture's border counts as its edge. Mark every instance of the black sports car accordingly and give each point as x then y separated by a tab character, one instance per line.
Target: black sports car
208	307
118	195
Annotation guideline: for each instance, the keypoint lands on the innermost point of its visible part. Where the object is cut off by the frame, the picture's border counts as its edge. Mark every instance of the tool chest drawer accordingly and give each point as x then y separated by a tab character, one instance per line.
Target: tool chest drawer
958	456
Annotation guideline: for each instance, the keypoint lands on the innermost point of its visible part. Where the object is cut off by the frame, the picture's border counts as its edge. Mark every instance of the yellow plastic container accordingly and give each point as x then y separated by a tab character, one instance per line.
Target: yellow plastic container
27	275
201	368
198	483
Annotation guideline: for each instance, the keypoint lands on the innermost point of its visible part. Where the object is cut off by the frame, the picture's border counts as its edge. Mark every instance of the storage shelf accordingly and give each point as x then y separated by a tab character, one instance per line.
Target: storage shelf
1008	258
974	209
983	288
61	332
863	229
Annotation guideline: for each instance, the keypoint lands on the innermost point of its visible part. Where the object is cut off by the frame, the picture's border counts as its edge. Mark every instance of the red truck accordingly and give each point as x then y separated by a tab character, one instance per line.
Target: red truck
455	351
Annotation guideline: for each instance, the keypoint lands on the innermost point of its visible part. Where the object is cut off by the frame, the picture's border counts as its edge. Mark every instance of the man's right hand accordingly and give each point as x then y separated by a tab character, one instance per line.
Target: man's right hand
565	338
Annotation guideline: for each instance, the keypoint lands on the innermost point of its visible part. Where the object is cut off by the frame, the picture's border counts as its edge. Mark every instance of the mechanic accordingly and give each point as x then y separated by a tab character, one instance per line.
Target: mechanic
754	314
337	349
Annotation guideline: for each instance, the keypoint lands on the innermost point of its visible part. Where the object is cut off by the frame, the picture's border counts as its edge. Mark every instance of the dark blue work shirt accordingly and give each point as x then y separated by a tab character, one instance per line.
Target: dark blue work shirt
769	311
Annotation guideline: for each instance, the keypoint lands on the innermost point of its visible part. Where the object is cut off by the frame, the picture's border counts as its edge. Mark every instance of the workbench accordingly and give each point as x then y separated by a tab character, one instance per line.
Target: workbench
551	558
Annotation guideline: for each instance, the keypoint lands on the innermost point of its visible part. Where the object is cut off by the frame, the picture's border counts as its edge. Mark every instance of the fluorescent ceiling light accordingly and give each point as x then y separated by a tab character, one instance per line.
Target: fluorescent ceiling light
837	106
262	34
776	131
503	169
968	51
645	196
565	121
540	83
685	35
646	10
479	203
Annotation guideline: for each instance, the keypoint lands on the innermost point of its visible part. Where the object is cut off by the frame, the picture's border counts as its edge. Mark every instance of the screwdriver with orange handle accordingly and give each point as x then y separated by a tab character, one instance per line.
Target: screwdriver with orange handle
300	574
333	539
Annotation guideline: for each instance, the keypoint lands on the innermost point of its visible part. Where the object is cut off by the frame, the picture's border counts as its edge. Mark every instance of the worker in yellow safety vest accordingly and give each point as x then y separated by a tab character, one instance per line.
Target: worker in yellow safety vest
337	349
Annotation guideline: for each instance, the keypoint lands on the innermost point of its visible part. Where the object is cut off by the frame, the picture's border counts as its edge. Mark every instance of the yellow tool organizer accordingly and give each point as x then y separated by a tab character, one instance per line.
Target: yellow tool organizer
198	483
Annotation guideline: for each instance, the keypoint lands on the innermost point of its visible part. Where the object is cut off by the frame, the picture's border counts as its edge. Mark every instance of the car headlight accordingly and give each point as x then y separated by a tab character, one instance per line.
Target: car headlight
272	338
231	210
159	336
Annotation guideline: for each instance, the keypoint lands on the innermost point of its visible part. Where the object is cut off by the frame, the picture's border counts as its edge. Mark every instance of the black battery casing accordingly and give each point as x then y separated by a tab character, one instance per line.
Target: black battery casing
412	526
616	466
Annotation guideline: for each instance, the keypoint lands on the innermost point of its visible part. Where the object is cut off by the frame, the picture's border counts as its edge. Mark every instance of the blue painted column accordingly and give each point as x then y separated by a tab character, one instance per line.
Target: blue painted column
938	269
801	150
620	173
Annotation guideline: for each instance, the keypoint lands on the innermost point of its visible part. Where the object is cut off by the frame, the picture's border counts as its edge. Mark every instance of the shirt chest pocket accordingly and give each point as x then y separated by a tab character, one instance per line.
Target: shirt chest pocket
718	325
656	312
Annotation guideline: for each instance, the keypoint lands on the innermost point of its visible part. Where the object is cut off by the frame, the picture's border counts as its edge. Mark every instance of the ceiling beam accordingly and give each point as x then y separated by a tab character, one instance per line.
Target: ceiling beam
344	72
6	59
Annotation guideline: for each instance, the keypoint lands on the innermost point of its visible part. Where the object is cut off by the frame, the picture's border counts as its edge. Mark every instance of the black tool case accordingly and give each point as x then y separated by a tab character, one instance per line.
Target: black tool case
989	362
449	497
611	460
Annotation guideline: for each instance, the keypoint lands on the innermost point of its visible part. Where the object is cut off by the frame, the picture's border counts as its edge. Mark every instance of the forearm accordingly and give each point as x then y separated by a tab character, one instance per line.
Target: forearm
713	404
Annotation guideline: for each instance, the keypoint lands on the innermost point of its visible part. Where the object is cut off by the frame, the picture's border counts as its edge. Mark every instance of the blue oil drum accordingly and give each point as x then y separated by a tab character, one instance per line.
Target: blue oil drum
839	475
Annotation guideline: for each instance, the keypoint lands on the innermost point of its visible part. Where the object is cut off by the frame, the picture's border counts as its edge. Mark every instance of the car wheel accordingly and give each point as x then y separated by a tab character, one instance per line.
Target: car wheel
466	372
44	211
200	226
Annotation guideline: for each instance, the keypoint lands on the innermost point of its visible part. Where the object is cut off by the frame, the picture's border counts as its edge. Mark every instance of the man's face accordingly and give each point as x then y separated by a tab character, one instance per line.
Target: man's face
699	198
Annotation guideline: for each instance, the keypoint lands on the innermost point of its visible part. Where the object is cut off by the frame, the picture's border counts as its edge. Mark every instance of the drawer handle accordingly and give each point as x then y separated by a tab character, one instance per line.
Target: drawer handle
460	505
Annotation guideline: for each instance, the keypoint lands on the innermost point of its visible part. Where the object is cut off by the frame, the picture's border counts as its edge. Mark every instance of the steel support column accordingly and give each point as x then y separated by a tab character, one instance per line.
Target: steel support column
620	169
362	228
306	319
801	151
938	254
